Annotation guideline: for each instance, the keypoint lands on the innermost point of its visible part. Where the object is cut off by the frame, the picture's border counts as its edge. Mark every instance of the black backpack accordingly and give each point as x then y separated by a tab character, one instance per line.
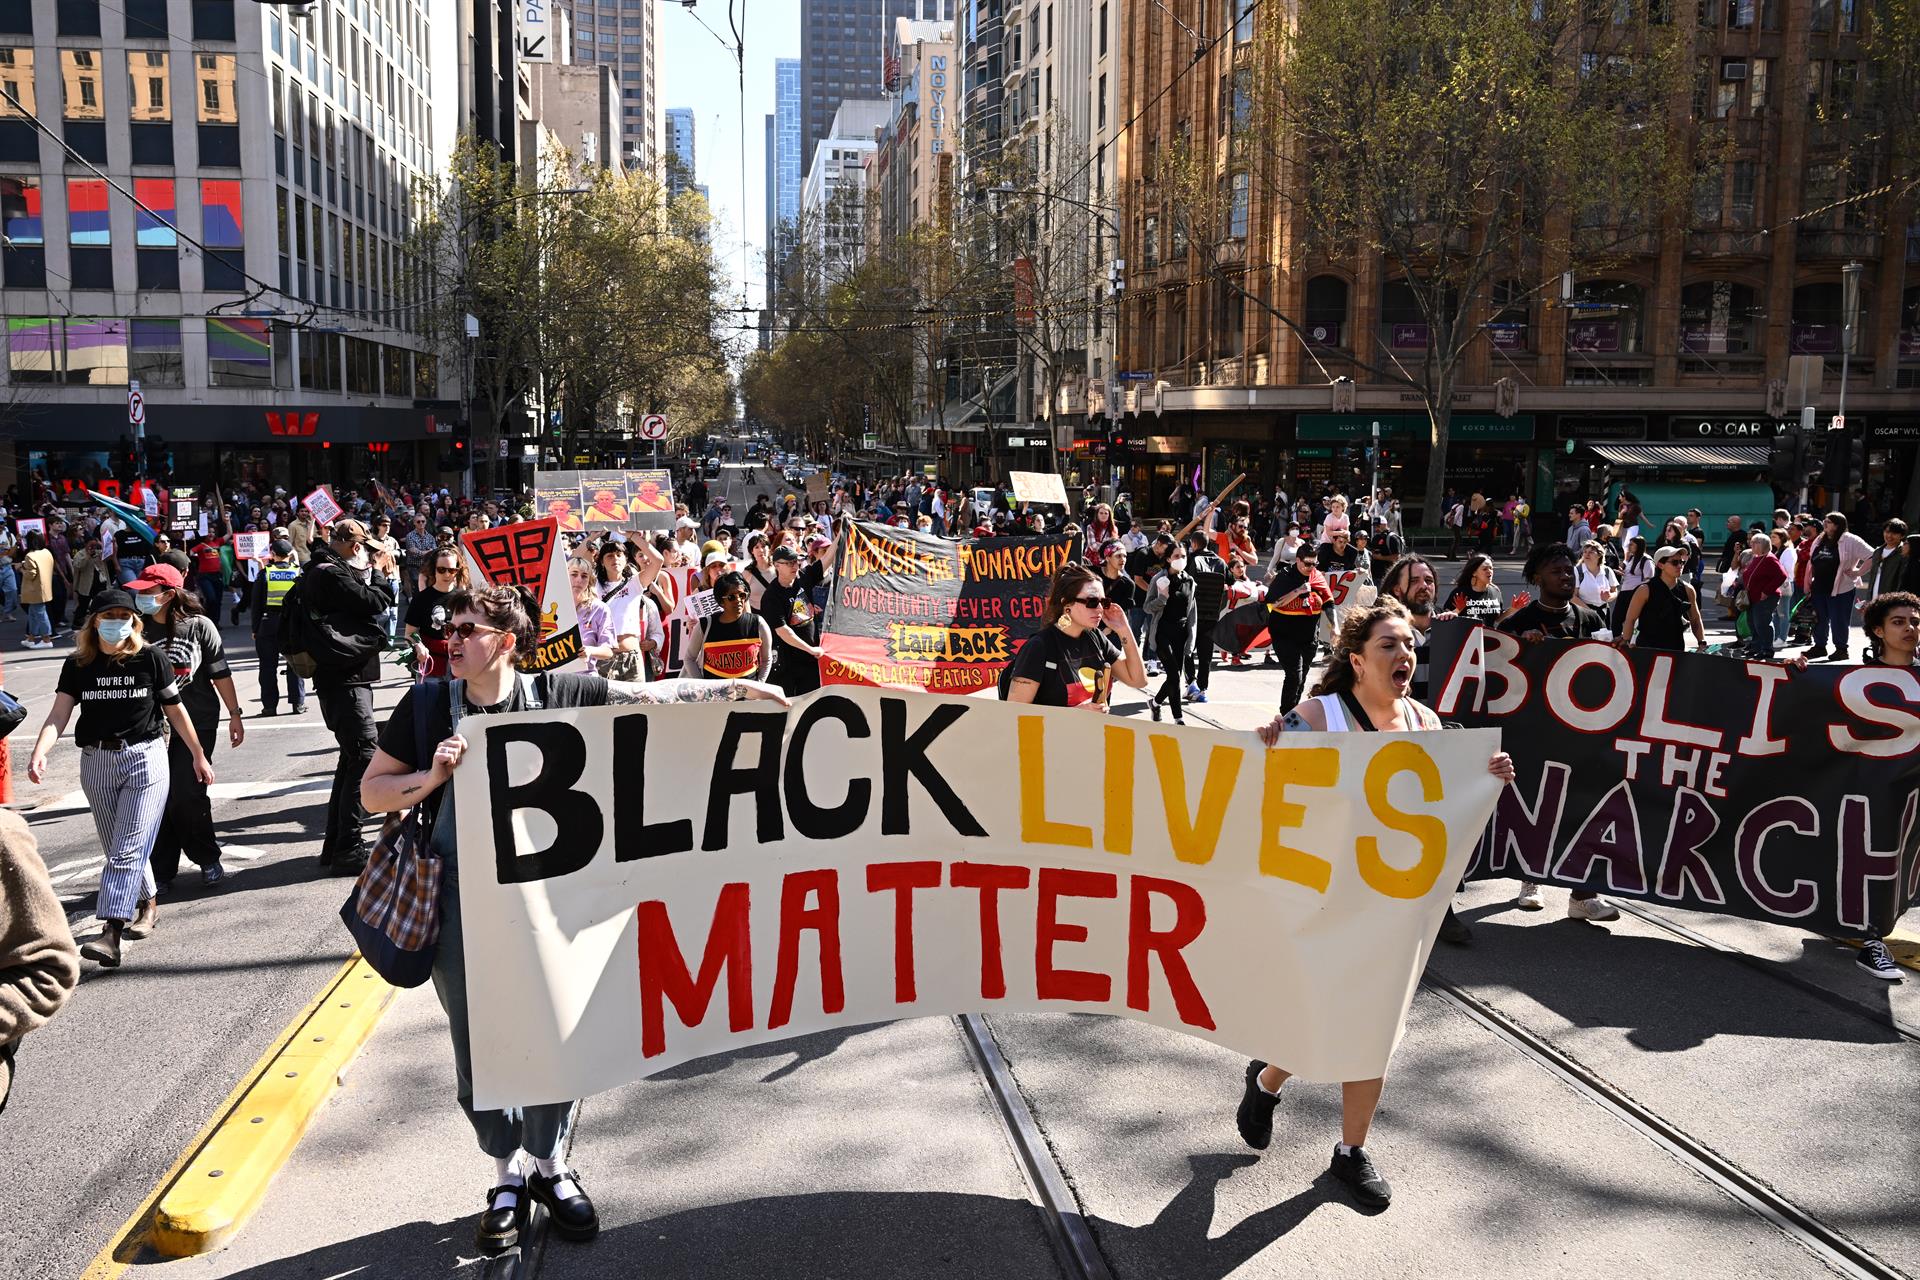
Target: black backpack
313	642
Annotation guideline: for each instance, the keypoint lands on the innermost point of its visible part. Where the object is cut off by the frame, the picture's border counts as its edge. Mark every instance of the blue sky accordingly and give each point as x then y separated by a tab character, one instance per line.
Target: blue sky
695	71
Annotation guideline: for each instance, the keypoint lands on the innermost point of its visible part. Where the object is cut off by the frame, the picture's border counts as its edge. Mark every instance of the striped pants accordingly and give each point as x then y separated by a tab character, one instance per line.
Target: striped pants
127	790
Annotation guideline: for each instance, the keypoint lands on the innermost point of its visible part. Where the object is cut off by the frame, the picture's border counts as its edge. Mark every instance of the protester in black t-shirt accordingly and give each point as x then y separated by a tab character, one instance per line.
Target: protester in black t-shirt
427	614
1557	615
1070	662
1172	602
124	688
488	629
787	605
1114	578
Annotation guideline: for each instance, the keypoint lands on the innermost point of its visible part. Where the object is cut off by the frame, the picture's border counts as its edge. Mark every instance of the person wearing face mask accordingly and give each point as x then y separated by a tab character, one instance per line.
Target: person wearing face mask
343	587
126	692
1171	598
177	625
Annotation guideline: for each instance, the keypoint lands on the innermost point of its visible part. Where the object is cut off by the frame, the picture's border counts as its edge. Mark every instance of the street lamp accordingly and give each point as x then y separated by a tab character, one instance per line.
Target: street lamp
1849	317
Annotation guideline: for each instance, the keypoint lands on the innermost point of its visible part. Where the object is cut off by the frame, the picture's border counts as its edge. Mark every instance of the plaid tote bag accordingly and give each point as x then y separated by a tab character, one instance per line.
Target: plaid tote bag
394	909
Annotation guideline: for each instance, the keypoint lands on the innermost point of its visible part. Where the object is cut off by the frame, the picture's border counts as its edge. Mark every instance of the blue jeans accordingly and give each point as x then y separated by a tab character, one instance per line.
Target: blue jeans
39	626
1831	613
1760	624
1783	619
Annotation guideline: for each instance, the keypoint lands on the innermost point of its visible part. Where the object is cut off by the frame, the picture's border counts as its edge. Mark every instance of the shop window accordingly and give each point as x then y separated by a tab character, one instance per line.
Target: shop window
239	352
89	238
153	352
23	259
34	352
96	352
1817	326
1606	318
1718	317
1325	317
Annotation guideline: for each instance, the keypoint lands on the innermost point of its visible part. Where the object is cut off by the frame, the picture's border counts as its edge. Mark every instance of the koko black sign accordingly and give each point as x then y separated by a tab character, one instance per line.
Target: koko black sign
1711	783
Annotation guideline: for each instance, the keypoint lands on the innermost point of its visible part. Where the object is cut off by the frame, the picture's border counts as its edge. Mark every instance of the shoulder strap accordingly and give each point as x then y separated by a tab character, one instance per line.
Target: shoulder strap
1356	715
426	700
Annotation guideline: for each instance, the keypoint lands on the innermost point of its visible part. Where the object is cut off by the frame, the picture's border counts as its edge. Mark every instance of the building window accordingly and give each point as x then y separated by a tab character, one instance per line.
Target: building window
398	378
96	352
426	376
1242	14
78	17
147	85
16	16
1607	318
153	214
23	254
80	85
153	354
215	74
1740	14
239	352
33	349
213	19
1718	317
221	221
146	19
319	360
1239	192
89	252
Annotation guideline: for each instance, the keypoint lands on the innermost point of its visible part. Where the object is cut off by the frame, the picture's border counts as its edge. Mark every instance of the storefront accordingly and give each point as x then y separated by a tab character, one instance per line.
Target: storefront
1892	480
1486	454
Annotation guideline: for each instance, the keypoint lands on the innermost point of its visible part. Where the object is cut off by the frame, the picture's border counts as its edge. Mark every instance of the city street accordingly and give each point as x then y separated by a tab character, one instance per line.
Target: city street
1667	1094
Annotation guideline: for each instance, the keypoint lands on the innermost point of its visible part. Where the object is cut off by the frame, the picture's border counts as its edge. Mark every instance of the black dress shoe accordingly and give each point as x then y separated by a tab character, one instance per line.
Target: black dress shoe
504	1221
1255	1116
573	1217
347	864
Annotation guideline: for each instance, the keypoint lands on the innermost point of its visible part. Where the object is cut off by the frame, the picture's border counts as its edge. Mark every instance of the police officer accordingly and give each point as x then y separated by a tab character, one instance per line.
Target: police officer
269	593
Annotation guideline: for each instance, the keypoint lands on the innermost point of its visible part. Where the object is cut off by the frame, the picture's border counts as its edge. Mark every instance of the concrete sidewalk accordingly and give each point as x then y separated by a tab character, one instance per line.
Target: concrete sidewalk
873	1151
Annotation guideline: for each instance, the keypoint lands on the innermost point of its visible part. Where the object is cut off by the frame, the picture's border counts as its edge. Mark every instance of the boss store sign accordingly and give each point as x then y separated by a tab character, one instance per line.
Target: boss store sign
1699	427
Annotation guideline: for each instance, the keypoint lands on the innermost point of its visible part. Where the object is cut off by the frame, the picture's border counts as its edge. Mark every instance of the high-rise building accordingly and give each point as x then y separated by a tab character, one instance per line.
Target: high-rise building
843	53
224	227
833	199
771	191
679	150
625	35
786	162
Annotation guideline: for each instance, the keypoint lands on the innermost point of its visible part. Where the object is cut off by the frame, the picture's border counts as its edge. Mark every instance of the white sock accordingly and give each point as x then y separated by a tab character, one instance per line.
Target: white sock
565	1187
1343	1148
506	1169
1271	1093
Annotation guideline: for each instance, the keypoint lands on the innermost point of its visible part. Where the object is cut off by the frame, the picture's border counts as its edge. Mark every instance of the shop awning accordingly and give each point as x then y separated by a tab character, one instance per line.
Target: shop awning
1713	457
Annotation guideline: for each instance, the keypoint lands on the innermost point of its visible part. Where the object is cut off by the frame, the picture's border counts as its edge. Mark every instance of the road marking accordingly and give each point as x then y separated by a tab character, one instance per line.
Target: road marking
77	800
180	1212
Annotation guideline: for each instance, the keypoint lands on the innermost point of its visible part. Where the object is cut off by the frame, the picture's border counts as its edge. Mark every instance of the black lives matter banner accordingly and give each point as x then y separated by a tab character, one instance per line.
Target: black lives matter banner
912	611
1711	783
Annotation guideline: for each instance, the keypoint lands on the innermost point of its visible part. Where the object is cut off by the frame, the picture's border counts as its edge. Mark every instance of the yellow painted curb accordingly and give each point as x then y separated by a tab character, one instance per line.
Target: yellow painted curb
227	1177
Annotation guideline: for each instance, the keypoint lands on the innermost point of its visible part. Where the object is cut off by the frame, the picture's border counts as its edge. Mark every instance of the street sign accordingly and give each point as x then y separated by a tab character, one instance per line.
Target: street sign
1839	422
136	406
535	28
653	426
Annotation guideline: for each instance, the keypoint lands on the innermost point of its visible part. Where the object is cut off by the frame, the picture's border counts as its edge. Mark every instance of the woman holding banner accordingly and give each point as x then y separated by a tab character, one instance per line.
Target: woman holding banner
1070	662
1364	689
489	628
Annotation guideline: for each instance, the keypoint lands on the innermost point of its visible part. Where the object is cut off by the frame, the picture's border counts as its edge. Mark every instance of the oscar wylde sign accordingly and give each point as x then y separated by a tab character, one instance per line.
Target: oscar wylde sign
1711	783
911	611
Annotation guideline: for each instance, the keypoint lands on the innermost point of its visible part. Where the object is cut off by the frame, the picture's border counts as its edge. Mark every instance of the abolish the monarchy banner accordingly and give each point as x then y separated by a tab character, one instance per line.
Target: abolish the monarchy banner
1741	788
649	884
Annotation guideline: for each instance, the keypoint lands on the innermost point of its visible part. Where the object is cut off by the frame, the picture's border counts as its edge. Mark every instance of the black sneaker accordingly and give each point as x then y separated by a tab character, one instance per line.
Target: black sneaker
1255	1116
1817	652
504	1220
1357	1171
573	1215
1878	961
1454	930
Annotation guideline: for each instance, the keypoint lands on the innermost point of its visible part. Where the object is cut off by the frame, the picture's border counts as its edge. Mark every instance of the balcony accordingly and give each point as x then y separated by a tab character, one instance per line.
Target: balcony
1828	242
1726	242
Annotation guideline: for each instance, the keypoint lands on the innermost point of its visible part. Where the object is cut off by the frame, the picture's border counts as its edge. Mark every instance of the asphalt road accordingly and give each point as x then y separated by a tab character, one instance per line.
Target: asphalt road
876	1152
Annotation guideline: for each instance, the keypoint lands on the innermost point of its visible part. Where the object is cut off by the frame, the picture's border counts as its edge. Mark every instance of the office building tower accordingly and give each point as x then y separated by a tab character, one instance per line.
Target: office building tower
625	34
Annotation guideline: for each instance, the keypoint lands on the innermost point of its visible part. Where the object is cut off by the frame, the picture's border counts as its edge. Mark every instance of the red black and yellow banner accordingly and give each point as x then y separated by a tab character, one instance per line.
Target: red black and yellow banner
911	611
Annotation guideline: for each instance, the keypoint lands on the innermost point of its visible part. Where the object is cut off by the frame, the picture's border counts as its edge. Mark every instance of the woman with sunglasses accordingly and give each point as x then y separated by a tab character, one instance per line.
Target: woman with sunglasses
1664	607
490	627
427	615
1070	662
734	644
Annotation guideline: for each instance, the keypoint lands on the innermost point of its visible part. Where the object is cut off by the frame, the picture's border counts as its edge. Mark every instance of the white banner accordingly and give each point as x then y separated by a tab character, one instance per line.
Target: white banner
652	884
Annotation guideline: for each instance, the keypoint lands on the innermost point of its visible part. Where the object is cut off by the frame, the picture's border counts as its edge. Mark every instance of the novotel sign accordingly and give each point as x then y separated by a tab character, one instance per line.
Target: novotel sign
1698	428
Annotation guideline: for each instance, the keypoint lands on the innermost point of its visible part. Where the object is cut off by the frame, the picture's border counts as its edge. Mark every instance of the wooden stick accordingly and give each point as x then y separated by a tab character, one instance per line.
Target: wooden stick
1194	523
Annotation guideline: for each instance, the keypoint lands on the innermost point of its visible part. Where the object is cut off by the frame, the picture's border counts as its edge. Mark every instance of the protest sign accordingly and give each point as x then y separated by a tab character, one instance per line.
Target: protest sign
251	546
582	500
660	883
30	524
528	554
1038	486
701	604
325	509
1715	784
183	509
908	610
819	485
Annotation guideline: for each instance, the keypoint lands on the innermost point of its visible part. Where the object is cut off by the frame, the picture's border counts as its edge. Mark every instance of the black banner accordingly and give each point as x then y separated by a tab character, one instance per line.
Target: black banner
911	611
1710	783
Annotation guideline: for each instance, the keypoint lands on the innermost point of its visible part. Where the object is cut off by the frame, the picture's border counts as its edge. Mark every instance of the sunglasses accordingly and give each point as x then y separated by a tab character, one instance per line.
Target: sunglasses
441	568
466	630
1092	602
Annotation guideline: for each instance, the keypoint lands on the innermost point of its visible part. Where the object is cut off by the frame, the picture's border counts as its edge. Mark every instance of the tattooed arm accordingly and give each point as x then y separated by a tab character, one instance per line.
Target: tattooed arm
625	692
